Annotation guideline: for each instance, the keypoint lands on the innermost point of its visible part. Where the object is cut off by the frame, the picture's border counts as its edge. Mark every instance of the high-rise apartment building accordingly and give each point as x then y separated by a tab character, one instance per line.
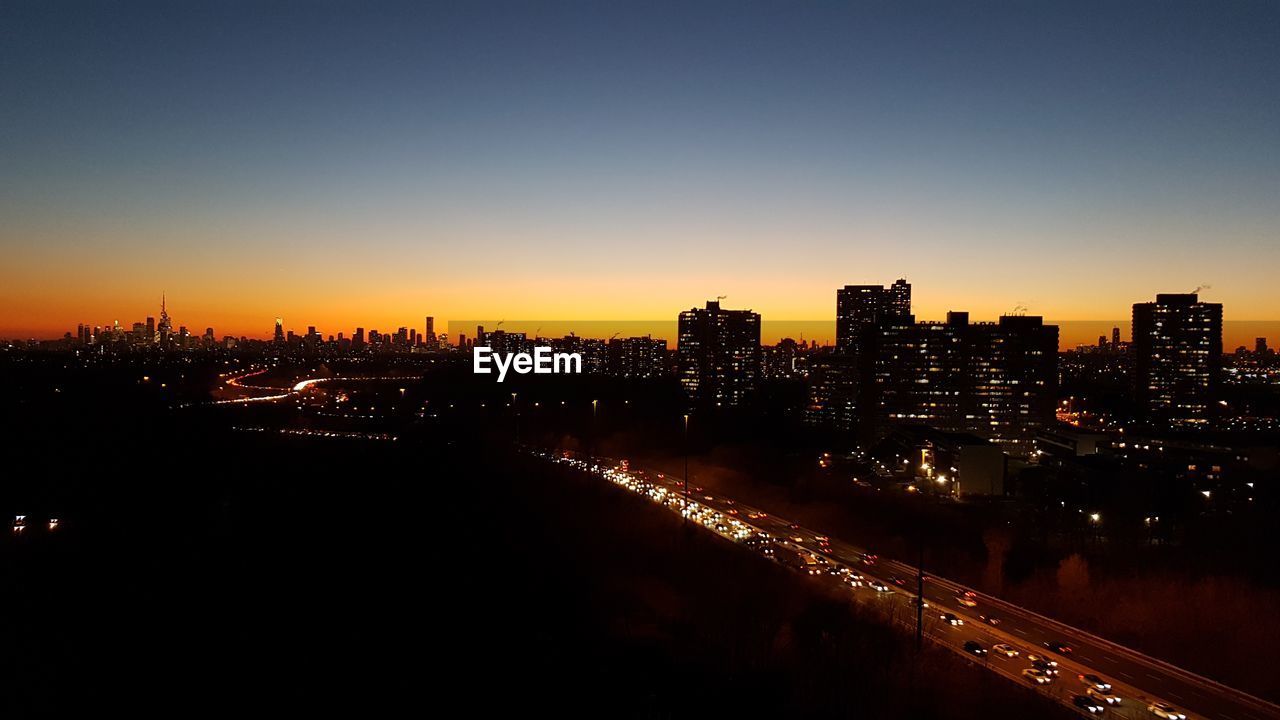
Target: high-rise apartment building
995	380
637	357
862	306
718	355
1177	358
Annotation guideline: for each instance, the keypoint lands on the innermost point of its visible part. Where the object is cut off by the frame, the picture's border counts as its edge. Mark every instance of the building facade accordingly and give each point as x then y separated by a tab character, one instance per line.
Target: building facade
718	355
1177	358
995	380
863	306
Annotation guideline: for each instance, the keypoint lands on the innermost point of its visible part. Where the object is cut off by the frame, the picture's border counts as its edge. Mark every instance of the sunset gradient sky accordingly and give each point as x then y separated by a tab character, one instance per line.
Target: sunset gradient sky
344	164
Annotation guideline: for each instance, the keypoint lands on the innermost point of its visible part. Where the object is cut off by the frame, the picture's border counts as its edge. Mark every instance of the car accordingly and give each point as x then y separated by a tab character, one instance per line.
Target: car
989	619
974	648
951	619
1059	647
878	586
1105	696
1165	710
869	558
1094	681
1040	658
897	581
854	581
1087	704
1040	664
967	599
1004	649
1037	676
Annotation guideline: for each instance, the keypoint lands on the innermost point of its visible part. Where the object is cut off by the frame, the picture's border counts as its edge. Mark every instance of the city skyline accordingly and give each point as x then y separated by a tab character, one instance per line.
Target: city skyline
823	331
350	167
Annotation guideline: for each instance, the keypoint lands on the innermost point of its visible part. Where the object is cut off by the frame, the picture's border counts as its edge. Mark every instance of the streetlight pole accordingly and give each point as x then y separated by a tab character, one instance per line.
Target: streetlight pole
515	414
594	405
684	510
920	597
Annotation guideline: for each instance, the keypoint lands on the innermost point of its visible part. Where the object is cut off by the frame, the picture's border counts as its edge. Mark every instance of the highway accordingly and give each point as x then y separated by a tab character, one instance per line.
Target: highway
272	393
1137	679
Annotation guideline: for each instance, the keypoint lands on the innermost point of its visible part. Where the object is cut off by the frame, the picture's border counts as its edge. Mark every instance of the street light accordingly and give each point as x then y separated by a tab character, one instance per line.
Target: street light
594	405
515	417
684	509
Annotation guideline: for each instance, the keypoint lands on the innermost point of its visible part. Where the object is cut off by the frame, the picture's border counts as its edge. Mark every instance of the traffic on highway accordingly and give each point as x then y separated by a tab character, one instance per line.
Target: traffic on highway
1086	673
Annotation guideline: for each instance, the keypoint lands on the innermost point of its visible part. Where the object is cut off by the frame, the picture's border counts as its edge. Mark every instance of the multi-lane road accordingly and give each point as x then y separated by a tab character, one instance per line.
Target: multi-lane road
1139	680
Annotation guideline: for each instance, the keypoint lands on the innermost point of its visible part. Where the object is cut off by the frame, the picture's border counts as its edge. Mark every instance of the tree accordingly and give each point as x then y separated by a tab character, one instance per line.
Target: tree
1073	575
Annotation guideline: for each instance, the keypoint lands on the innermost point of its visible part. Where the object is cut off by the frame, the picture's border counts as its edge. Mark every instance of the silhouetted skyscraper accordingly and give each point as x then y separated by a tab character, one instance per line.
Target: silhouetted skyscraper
996	380
860	306
165	328
1177	356
840	382
718	355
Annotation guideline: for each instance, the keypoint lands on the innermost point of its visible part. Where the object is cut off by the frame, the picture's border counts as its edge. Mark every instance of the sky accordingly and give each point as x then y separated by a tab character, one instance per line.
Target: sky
369	163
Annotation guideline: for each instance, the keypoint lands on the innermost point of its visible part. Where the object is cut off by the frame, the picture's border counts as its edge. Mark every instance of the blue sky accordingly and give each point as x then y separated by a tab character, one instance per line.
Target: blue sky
1080	156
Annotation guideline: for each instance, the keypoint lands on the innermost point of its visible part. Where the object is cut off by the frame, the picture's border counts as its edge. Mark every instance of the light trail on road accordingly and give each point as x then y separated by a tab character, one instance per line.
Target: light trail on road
989	621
